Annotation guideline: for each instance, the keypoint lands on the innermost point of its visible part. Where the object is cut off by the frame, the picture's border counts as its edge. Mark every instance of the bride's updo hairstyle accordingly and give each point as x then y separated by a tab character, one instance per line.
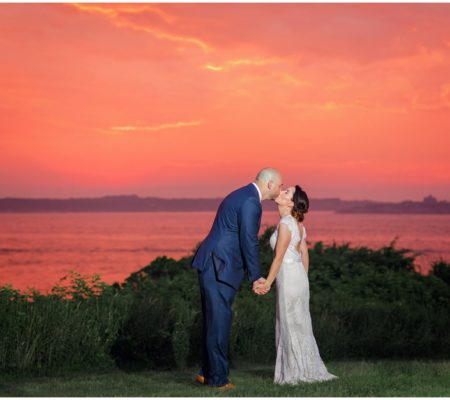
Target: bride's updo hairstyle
301	204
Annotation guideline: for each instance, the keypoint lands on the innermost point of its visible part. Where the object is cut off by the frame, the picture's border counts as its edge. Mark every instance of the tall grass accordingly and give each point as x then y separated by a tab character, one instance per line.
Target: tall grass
71	328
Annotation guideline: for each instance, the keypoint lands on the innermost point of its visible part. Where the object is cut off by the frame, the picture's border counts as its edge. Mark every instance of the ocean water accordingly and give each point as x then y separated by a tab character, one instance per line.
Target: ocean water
37	249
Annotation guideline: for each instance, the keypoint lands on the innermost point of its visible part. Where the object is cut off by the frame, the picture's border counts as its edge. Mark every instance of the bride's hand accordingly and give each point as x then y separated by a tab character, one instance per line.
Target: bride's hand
263	288
266	287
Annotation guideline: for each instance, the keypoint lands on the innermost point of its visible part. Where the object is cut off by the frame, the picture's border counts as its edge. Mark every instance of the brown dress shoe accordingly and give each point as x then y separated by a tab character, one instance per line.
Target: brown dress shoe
200	379
227	386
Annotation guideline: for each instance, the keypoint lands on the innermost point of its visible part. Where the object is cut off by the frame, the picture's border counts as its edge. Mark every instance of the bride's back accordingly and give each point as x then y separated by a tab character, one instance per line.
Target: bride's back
293	250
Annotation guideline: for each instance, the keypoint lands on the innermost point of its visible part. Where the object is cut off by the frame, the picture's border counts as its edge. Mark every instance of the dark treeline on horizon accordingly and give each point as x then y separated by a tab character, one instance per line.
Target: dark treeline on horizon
134	203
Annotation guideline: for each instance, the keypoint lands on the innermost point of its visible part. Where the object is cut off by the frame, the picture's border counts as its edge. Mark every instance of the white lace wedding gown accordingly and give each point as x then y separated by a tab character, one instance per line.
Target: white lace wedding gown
298	358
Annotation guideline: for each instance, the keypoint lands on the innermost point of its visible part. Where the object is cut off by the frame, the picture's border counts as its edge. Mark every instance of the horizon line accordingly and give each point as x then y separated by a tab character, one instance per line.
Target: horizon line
205	198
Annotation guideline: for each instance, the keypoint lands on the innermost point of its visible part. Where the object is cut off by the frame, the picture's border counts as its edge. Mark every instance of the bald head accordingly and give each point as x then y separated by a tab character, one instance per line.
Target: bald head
267	174
269	181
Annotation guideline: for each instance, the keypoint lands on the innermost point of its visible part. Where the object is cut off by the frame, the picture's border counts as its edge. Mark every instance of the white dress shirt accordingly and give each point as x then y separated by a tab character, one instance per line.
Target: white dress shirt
259	191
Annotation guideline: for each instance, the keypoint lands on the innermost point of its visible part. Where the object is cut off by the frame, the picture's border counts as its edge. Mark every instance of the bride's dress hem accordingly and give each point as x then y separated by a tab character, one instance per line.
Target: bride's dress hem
328	377
304	364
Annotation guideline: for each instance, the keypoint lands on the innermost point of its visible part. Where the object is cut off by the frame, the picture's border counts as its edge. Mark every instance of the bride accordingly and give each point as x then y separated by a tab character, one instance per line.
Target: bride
298	358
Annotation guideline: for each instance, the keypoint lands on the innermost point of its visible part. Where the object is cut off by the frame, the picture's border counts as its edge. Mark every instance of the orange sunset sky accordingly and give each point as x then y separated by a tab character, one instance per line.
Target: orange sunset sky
191	100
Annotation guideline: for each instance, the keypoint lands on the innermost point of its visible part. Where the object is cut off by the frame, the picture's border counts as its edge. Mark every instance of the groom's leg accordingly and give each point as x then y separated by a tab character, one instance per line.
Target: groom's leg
218	298
204	370
227	295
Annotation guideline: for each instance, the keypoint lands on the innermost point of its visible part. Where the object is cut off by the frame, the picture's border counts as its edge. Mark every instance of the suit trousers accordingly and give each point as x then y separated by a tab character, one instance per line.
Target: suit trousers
216	298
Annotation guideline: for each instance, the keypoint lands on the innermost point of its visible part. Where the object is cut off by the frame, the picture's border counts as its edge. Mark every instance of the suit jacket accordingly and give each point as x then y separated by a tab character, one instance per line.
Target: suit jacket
232	242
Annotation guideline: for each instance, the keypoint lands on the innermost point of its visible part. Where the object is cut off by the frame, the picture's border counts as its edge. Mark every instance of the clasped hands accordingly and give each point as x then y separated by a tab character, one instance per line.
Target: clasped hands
261	286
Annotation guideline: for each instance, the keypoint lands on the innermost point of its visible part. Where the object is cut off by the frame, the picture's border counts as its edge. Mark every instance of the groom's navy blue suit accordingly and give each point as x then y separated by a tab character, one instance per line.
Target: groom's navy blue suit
230	248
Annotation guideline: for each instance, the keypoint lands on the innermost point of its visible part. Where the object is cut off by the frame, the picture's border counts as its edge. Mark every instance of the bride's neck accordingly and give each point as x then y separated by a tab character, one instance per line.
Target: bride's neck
283	211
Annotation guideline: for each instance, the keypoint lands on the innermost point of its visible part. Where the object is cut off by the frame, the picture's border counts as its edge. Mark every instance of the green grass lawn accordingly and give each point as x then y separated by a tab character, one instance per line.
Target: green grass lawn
356	378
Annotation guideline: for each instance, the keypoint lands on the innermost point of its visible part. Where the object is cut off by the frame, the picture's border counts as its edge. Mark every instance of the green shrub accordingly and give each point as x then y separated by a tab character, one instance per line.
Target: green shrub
67	329
364	303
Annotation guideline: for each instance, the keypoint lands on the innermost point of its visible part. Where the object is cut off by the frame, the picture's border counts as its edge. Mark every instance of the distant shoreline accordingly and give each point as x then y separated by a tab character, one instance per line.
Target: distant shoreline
133	203
209	211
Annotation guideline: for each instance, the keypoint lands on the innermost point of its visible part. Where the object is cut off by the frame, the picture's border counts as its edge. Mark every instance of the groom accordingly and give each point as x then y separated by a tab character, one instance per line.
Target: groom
230	248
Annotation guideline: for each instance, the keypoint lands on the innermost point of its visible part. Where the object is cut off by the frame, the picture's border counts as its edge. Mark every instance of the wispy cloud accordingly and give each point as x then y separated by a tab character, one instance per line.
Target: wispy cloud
120	130
117	16
337	106
116	9
241	62
423	57
435	100
445	94
287	78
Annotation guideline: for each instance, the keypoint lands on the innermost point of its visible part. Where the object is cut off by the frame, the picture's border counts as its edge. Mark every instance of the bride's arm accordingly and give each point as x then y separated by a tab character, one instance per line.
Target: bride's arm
284	237
305	254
